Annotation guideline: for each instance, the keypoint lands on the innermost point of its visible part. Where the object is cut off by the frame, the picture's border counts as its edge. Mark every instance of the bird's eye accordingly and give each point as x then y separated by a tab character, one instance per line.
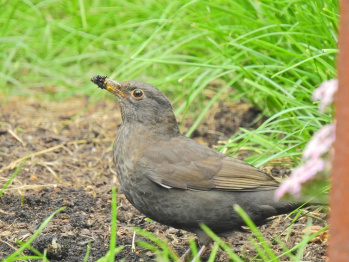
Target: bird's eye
137	94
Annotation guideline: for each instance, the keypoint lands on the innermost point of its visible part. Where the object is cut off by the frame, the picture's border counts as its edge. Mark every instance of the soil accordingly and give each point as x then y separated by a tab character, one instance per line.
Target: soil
69	144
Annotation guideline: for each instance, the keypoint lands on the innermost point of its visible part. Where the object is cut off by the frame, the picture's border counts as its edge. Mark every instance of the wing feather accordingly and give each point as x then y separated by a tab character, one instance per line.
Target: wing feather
197	167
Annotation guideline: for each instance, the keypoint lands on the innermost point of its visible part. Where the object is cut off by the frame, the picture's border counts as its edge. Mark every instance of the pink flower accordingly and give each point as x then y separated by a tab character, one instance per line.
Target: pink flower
321	142
300	175
325	93
315	155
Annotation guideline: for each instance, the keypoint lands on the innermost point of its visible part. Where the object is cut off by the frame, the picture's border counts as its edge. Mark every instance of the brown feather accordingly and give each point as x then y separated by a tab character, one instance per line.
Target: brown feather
208	171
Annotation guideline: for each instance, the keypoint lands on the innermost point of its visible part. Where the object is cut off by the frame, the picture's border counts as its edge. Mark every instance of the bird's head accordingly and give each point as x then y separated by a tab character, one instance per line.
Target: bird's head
141	103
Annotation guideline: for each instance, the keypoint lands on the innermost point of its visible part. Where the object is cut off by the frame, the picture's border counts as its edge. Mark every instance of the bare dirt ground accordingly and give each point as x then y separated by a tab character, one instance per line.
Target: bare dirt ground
70	165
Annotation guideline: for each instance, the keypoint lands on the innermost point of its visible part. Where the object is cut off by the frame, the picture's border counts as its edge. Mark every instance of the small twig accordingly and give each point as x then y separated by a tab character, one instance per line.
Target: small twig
53	173
26	187
7	213
68	150
7	243
16	137
133	248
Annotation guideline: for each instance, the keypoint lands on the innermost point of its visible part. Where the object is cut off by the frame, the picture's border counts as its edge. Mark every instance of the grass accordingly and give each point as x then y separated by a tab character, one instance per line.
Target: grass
113	249
271	53
274	53
14	174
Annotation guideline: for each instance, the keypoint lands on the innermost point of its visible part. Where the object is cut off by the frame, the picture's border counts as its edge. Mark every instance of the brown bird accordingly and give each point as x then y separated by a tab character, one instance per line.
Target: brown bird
176	181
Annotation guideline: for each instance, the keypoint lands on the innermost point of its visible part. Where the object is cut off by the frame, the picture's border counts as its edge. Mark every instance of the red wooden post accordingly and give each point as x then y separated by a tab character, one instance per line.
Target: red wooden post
339	217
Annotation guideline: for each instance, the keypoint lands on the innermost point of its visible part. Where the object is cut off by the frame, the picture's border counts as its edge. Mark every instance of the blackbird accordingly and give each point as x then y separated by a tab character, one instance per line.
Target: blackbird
176	181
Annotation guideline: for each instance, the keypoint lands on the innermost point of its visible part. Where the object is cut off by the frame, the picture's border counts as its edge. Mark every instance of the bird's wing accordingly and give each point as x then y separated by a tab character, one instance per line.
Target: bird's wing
189	165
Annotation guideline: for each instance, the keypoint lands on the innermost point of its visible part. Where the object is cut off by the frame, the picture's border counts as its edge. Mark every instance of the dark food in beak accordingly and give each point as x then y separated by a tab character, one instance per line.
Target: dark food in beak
99	81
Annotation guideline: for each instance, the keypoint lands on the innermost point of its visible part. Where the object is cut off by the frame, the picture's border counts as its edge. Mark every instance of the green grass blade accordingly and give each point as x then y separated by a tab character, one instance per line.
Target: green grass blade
8	182
256	232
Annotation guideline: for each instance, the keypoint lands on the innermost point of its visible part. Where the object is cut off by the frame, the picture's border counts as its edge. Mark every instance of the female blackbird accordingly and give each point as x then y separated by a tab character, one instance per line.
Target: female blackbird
176	181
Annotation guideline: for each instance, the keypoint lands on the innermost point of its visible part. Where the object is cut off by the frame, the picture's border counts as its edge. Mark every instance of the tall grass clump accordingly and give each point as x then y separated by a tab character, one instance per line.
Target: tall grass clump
274	53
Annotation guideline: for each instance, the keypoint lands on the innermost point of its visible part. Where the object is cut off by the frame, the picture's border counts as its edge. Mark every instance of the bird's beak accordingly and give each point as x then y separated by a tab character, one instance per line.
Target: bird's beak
113	87
108	84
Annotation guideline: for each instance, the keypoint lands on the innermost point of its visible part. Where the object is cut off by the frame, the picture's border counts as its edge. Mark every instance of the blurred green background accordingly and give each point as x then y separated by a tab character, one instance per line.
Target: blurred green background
274	53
